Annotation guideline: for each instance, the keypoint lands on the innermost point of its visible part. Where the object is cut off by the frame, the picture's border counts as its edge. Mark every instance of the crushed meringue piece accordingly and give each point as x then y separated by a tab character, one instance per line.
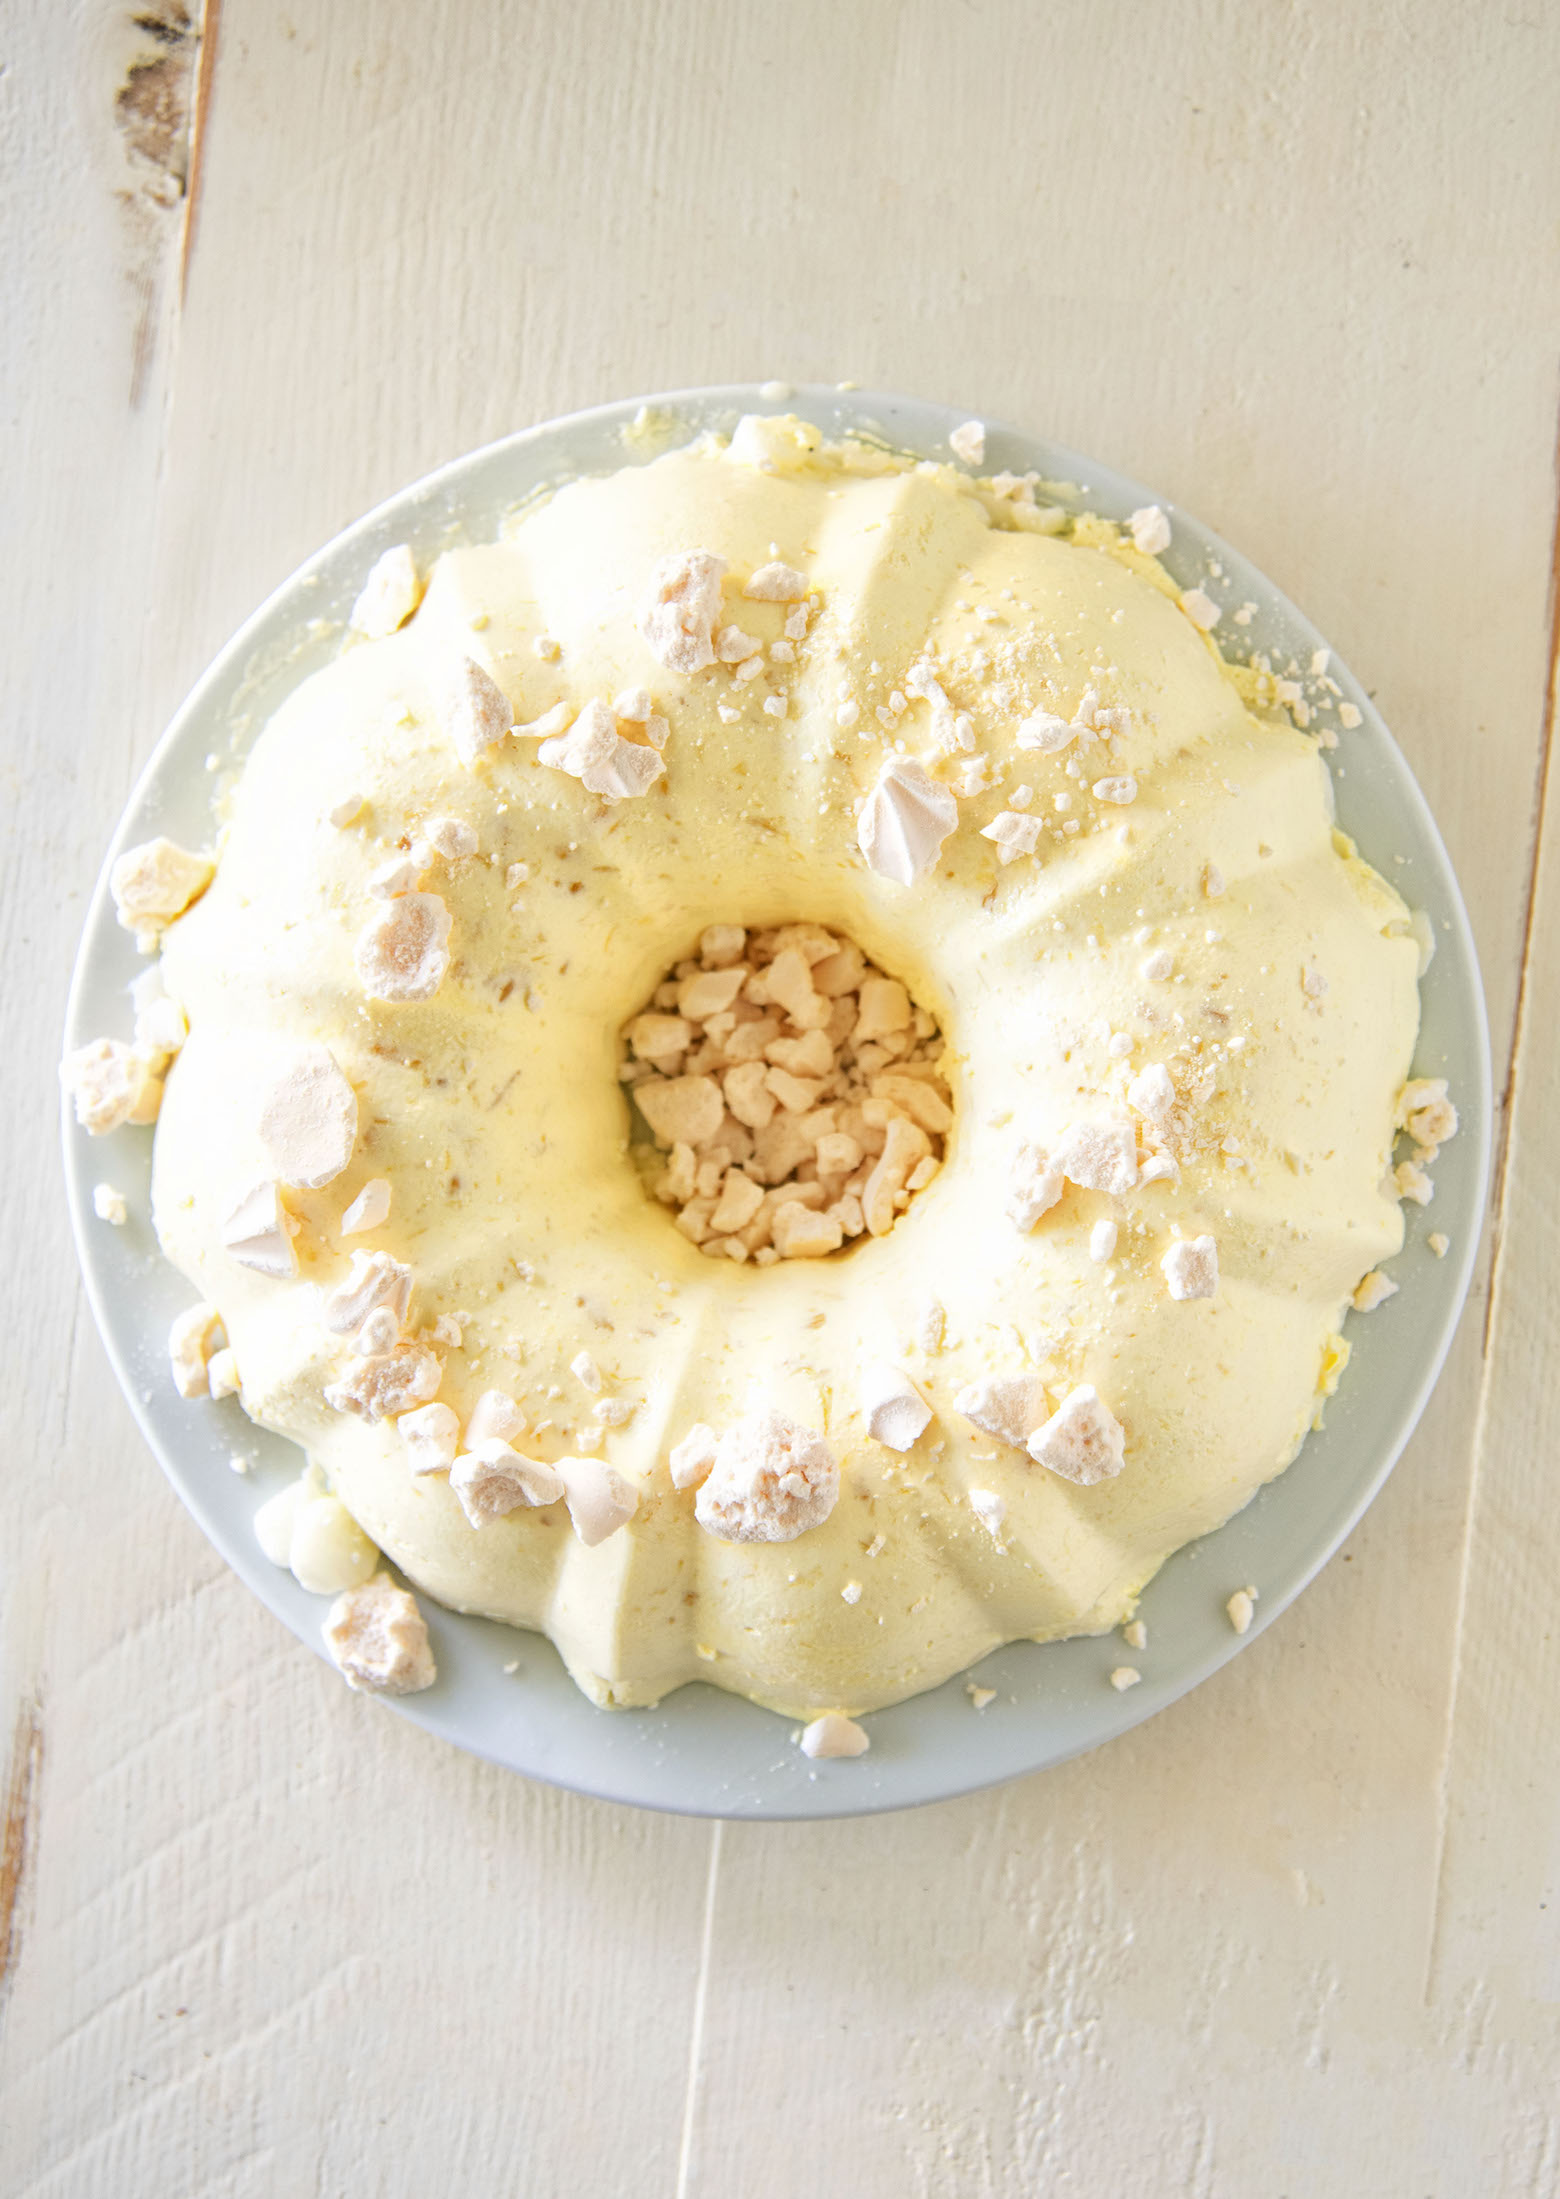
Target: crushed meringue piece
1102	1242
344	811
989	1509
308	1119
1120	792
378	1639
383	1389
154	883
556	720
402	953
1425	1112
1152	1092
1373	1290
1015	834
1044	730
1155	968
109	1205
451	837
473	710
969	442
979	1696
389	595
1135	1634
1150	530
374	1279
834	1735
678	617
691	1459
432	1435
733	646
776	584
1348	717
1123	1677
1440	1244
369	1210
585	1370
256	1232
774	443
771	1481
893	1408
1082	1441
1201	609
1008	1406
191	1341
495	1417
904	821
377	1336
1191	1267
594	752
109	1084
930	1325
1034	1186
1099	1154
600	1501
491	1481
1410	1181
1240	1610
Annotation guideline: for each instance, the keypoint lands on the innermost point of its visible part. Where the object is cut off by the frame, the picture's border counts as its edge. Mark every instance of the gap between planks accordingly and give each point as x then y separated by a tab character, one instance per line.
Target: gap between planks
696	2028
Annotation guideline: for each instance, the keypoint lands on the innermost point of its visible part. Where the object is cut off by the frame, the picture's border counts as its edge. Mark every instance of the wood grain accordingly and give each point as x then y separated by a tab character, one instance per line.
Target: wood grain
1293	266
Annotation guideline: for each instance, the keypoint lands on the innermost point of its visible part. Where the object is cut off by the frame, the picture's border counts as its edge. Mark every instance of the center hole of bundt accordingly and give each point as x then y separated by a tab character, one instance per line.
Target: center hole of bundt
792	1092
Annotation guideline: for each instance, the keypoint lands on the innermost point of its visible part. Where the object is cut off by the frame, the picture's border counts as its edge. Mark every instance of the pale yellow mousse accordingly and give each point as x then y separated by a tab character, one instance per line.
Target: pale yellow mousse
1165	972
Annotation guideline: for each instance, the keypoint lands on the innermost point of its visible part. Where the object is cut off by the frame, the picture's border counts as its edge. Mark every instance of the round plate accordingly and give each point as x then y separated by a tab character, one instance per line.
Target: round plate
505	1694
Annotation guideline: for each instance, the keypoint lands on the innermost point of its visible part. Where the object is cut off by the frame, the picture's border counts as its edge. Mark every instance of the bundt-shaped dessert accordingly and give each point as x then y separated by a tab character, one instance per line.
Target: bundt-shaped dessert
788	1078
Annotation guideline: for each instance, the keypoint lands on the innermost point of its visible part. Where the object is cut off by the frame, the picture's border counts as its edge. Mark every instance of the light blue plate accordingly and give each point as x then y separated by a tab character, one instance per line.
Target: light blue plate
703	1751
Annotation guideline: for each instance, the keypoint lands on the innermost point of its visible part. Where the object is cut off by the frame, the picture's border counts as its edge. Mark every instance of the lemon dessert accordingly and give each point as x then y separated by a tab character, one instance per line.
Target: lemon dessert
787	1079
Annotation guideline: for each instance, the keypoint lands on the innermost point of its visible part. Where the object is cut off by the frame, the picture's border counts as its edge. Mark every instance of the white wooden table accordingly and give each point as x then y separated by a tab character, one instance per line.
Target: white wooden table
1297	266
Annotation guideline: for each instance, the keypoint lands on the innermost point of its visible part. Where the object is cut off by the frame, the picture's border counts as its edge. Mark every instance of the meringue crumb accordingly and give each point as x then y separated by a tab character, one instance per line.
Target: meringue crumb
1123	1677
1135	1634
1348	717
1201	609
109	1205
969	442
834	1735
979	1696
1373	1290
1150	530
1440	1244
851	1592
1239	1609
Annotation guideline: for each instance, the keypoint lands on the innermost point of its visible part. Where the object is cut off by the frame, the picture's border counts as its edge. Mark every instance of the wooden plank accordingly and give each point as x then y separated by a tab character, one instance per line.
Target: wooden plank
1497	1942
1282	266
